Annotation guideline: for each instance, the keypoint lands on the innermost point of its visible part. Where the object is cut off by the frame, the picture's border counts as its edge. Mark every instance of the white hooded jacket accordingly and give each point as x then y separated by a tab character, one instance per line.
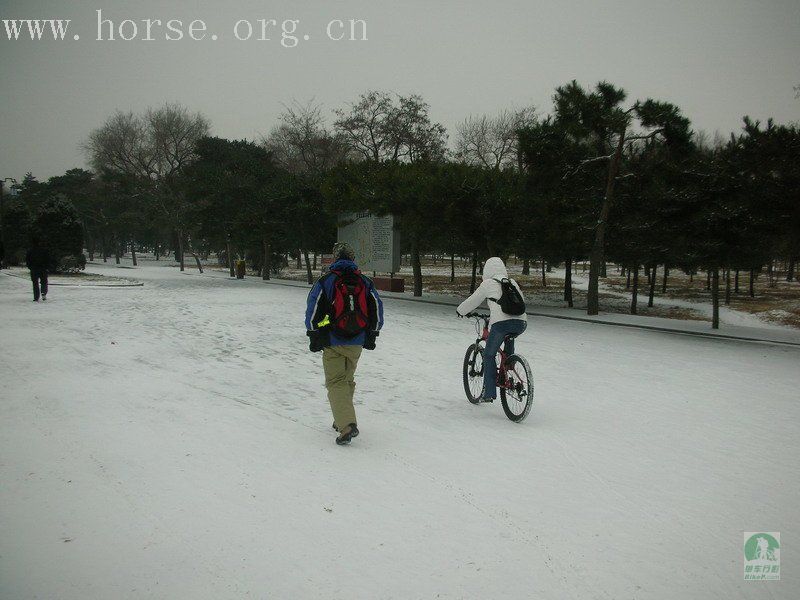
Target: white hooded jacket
493	270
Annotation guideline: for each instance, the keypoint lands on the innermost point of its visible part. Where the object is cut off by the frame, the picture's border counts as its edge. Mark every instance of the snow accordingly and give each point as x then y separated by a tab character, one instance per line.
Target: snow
173	441
727	316
552	298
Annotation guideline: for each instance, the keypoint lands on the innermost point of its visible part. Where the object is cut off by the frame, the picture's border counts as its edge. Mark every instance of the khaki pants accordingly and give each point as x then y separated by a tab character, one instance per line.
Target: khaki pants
340	364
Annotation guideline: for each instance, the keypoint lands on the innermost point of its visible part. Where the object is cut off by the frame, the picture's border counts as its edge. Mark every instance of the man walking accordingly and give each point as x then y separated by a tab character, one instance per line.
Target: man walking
344	314
37	260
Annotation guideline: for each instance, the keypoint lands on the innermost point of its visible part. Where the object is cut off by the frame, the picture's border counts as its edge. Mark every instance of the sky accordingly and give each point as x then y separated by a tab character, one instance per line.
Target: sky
716	59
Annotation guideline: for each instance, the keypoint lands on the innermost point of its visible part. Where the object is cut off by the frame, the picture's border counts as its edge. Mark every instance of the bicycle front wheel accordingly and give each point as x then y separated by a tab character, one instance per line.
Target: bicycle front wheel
517	391
473	373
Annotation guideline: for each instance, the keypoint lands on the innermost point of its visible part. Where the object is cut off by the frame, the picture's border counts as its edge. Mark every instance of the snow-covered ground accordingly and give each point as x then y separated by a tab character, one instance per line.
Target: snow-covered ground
173	441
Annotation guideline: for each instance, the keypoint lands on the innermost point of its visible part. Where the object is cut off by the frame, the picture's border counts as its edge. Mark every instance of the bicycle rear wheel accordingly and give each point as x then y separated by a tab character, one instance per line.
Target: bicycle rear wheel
473	373
517	394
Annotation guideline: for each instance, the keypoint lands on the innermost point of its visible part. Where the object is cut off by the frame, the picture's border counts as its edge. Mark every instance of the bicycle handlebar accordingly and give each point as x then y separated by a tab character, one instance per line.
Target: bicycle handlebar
474	315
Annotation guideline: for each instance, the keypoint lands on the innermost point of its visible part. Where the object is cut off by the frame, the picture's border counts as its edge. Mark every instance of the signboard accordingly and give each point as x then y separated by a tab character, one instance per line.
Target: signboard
375	240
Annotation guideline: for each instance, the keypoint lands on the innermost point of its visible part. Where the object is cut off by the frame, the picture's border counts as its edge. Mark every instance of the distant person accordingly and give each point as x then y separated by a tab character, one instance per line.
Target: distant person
344	315
2	255
500	291
38	261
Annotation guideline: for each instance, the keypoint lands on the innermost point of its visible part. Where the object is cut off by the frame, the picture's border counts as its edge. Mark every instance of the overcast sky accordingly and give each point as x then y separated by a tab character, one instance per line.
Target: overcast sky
716	59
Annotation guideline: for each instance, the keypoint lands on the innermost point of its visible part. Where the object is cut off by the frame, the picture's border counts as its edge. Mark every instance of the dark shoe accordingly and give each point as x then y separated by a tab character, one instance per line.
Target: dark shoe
485	399
347	434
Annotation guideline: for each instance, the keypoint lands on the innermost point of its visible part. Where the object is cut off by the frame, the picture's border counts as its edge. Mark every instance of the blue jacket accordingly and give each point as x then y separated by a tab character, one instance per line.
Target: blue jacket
321	296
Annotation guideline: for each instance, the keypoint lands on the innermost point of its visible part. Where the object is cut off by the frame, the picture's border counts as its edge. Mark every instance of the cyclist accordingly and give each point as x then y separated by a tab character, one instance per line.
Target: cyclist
501	324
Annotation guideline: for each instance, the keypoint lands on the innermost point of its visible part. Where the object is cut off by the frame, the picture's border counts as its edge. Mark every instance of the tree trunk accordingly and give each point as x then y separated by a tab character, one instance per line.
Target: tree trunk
647	273
104	248
568	282
265	265
299	254
727	286
664	282
474	271
653	272
116	249
736	282
790	269
315	261
715	298
417	268
598	247
635	292
308	268
197	261
752	283
229	251
544	276
708	280
156	249
452	267
628	282
526	266
180	249
770	274
133	253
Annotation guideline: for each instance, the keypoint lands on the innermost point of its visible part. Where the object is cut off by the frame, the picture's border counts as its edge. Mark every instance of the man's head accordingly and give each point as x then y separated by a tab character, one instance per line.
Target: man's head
343	250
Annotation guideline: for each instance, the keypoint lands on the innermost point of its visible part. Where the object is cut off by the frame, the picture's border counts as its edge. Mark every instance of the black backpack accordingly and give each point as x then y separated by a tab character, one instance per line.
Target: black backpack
510	301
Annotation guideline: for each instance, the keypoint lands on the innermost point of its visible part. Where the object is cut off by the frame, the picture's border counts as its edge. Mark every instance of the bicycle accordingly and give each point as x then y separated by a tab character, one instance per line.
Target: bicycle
514	377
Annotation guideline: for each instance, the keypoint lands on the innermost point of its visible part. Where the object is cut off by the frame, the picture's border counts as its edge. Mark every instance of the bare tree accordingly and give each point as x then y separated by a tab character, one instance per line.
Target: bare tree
491	141
301	143
381	128
152	149
704	141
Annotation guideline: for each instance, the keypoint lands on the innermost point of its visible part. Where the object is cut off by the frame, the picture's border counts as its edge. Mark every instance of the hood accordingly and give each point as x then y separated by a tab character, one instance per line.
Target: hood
344	265
494	268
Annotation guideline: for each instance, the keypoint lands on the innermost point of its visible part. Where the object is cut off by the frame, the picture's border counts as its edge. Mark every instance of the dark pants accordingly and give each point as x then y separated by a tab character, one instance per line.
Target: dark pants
39	278
497	334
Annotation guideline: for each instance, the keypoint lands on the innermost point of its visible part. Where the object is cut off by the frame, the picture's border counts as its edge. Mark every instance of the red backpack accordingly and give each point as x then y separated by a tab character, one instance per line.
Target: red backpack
349	304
